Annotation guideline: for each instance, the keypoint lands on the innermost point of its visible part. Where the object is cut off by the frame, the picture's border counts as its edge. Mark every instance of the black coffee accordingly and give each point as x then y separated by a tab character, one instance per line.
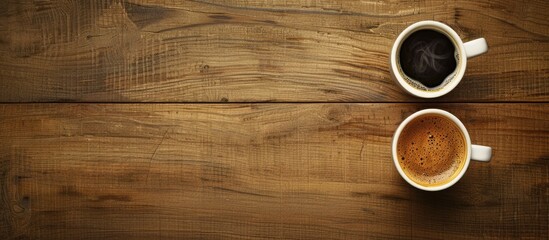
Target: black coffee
428	56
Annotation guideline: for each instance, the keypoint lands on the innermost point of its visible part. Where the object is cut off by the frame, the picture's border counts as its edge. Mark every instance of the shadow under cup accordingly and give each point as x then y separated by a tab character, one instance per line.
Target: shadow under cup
429	58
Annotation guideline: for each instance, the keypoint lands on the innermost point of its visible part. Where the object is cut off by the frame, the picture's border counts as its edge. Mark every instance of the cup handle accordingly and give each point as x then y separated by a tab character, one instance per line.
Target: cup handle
475	47
481	153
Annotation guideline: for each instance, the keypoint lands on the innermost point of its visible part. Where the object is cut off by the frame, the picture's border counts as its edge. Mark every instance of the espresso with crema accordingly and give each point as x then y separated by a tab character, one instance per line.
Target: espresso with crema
431	150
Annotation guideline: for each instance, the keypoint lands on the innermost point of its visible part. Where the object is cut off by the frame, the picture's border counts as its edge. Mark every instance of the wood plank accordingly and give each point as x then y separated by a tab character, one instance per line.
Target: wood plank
286	171
250	51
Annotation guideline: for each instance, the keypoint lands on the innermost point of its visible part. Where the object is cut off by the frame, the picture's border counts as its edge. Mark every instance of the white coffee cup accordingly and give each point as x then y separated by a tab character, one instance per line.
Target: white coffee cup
465	50
475	152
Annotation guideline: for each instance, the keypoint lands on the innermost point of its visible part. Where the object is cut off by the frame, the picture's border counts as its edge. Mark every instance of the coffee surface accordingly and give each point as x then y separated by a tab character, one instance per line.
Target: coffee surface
431	150
428	57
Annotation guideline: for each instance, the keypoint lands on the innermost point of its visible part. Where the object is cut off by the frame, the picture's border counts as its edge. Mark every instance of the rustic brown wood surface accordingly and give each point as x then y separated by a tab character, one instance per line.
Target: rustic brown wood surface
250	51
284	171
152	150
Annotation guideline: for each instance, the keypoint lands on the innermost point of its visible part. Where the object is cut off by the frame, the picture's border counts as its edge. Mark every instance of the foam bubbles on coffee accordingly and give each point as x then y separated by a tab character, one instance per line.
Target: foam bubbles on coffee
428	58
431	150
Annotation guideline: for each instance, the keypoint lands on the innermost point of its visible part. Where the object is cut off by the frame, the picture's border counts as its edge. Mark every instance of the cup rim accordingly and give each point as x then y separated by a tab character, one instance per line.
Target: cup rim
429	24
461	127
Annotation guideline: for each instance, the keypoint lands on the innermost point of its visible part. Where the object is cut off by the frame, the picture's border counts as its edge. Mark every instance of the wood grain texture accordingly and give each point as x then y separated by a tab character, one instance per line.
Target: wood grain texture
255	171
256	51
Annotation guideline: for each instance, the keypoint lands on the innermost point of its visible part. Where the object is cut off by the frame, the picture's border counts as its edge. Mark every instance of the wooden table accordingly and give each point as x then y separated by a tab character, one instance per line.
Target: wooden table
163	119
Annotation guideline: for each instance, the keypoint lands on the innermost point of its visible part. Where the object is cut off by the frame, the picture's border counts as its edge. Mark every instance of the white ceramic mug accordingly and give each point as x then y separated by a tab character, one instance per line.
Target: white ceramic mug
475	152
465	50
